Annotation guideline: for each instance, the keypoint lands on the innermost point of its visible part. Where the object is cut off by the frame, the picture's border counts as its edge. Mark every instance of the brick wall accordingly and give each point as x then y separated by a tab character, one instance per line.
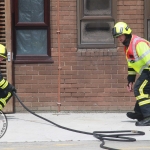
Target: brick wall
90	79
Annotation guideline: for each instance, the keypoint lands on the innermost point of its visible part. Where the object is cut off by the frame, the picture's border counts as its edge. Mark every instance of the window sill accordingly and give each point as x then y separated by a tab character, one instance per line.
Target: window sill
32	59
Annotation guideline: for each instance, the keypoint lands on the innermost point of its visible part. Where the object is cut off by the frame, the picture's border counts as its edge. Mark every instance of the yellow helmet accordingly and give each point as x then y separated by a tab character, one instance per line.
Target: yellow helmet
3	51
120	28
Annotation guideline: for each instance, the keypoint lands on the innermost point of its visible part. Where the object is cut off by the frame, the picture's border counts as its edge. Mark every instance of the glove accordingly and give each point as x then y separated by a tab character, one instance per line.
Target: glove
11	88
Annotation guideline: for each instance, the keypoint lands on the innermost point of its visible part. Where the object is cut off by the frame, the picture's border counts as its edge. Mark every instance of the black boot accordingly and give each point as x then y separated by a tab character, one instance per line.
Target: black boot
144	122
135	115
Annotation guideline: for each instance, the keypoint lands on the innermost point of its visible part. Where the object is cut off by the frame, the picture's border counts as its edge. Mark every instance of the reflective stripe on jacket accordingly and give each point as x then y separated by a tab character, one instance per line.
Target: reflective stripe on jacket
138	54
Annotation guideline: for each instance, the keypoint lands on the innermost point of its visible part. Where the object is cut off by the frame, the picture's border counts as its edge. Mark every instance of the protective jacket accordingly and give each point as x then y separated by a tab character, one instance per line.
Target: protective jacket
137	56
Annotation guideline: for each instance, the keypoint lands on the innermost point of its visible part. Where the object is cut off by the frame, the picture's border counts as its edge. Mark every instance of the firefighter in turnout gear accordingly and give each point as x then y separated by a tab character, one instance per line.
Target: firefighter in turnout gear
6	89
137	52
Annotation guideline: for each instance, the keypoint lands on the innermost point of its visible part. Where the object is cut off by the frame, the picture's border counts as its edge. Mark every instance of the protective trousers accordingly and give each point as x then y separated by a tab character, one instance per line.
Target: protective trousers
4	98
142	94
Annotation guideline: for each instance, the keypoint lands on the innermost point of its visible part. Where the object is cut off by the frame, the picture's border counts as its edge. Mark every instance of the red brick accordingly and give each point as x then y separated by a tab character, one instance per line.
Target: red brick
91	79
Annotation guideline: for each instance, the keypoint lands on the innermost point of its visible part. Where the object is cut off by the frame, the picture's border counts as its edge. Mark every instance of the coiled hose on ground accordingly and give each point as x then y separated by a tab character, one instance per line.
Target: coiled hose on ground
109	135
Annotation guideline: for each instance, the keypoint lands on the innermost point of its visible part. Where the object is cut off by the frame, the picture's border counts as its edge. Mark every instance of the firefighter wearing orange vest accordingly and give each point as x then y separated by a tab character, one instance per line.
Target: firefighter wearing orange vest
6	89
137	52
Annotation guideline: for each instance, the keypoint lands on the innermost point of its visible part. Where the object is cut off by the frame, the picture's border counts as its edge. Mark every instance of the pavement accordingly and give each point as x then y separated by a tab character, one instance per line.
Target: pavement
27	128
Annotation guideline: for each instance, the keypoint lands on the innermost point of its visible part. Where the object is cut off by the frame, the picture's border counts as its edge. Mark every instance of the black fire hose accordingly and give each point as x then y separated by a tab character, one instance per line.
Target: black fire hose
110	135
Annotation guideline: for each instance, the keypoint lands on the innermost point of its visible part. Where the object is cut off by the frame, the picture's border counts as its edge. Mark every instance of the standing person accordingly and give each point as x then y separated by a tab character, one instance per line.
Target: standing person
137	51
6	89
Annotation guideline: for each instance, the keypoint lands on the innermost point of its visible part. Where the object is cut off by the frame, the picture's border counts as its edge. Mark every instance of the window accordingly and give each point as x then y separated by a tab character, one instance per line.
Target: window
147	19
96	19
31	31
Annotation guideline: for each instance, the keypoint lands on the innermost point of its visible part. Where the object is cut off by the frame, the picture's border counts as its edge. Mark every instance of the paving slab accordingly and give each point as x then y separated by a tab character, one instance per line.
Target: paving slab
25	127
75	145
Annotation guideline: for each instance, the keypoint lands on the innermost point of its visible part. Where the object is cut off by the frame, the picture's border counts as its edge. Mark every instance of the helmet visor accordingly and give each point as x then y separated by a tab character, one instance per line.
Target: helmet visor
116	33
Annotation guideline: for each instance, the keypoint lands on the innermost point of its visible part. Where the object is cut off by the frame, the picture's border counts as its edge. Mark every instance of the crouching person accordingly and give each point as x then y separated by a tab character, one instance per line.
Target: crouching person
6	89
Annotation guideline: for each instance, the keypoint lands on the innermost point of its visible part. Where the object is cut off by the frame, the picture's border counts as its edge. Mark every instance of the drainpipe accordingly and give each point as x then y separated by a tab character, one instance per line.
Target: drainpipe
59	62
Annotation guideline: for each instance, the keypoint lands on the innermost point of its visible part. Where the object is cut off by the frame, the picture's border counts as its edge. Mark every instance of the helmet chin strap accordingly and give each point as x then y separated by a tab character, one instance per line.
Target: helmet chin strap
126	42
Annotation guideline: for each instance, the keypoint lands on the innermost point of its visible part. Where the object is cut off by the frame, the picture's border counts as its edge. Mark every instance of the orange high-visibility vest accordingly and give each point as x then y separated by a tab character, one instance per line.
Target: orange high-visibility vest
138	63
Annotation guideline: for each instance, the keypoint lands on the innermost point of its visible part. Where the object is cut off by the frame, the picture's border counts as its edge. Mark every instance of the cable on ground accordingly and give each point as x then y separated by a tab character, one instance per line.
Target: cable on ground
109	135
